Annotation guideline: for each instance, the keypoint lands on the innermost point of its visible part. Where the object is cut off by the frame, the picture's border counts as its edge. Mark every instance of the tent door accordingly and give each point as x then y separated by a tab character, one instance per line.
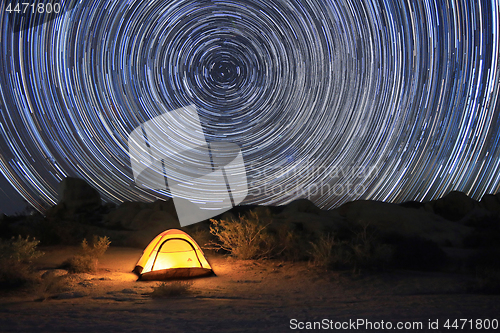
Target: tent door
176	253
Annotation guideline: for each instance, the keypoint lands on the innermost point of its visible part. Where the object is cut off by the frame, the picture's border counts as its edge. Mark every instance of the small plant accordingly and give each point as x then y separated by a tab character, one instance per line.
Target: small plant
367	249
246	238
16	256
359	248
51	284
291	245
171	289
202	236
86	261
330	252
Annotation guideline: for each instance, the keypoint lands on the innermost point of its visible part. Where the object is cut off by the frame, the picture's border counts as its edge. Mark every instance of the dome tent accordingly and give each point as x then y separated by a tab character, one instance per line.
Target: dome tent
170	255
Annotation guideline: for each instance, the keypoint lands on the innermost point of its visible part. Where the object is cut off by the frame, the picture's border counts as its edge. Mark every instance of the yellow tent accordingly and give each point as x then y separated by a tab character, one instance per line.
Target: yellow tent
172	254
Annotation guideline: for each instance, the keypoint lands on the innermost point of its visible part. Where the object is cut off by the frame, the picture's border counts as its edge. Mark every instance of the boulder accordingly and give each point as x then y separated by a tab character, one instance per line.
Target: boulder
301	206
394	220
150	218
454	206
165	206
139	216
76	194
491	202
303	215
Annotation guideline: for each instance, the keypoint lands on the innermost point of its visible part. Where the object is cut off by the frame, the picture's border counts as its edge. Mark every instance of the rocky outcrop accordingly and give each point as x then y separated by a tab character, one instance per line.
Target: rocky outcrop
303	215
136	223
80	213
491	202
140	216
76	194
454	206
395	220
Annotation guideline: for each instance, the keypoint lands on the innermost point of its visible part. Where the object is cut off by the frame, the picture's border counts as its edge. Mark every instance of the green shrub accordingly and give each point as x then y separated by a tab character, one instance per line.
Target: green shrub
86	261
246	238
171	289
16	256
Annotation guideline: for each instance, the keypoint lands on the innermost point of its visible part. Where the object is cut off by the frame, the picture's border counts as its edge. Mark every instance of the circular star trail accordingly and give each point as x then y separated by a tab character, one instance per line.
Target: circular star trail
330	100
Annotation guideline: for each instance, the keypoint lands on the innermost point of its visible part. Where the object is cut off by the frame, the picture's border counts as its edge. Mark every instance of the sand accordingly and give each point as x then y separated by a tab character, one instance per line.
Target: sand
244	296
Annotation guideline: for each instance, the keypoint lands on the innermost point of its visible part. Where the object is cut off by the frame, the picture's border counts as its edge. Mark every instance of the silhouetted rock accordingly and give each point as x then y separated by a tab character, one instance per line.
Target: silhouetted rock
301	206
391	219
491	202
80	214
141	216
412	204
454	206
303	215
76	194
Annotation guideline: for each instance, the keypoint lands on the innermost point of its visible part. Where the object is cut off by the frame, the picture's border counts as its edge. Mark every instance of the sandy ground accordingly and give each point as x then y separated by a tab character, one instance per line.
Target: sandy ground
245	296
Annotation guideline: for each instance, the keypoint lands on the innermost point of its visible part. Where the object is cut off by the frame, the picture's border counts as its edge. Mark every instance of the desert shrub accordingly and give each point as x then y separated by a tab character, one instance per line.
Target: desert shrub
359	248
329	252
291	245
202	236
171	289
62	231
16	256
245	238
368	250
51	284
86	261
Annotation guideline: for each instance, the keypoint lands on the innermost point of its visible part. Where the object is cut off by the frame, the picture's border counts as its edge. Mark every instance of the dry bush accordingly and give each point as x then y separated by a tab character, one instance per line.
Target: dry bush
245	238
360	248
171	289
16	256
367	249
330	252
51	284
202	236
86	261
291	244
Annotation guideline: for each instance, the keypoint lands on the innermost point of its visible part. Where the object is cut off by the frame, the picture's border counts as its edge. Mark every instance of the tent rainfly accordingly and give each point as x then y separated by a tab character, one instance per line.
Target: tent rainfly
172	254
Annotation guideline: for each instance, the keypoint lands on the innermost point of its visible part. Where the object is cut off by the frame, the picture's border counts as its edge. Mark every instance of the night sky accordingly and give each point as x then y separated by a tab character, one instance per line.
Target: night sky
334	100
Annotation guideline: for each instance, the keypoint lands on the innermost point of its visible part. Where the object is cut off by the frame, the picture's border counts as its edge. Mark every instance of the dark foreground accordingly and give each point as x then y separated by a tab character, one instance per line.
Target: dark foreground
248	296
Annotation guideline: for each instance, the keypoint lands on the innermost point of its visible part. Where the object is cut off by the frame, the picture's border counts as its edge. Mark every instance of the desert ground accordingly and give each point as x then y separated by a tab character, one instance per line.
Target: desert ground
244	296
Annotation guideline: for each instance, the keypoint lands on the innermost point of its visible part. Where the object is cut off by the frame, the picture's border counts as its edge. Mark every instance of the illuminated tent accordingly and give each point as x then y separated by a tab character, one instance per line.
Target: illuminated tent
172	254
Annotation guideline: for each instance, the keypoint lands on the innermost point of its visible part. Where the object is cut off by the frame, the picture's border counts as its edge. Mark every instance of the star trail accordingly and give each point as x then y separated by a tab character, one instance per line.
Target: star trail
334	100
